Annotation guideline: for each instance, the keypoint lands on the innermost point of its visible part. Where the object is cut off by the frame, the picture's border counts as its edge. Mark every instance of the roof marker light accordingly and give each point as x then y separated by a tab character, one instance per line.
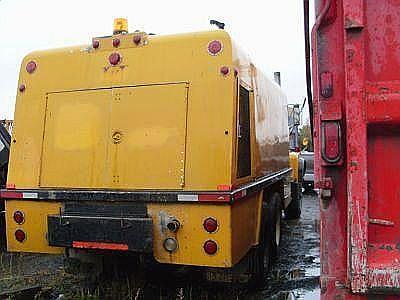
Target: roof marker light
31	67
214	47
116	42
224	70
137	39
95	44
114	58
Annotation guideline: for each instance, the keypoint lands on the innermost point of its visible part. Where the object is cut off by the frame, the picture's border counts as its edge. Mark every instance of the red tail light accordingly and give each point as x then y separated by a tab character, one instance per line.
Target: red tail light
210	247
20	236
331	141
22	88
19	217
210	225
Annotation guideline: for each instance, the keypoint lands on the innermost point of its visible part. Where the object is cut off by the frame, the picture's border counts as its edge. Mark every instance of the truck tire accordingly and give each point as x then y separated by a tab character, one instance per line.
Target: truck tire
263	256
293	211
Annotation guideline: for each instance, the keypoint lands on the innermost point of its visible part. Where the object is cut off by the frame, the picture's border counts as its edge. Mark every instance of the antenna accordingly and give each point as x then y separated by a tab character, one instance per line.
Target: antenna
220	25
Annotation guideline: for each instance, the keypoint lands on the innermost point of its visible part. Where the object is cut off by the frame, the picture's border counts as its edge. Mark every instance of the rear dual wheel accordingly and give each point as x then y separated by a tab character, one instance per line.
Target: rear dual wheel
267	250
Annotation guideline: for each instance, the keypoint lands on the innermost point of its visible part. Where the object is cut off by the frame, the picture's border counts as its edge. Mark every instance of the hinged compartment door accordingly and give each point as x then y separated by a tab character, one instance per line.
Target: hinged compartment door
148	137
74	141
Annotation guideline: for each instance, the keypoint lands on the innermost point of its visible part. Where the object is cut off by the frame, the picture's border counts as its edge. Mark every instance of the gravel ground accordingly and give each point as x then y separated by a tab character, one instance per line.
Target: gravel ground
294	276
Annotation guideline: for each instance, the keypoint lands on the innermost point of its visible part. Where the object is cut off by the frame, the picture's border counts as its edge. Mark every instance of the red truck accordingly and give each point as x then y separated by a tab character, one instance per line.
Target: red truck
356	87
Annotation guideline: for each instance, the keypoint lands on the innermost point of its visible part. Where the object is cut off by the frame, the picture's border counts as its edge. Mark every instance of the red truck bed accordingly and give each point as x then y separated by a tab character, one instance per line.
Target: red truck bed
356	68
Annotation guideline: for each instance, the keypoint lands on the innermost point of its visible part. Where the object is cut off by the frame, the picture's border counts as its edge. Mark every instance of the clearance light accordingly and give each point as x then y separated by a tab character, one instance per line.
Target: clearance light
214	47
19	217
210	247
224	70
31	67
137	39
116	42
20	236
95	44
22	88
170	244
210	225
331	144
114	58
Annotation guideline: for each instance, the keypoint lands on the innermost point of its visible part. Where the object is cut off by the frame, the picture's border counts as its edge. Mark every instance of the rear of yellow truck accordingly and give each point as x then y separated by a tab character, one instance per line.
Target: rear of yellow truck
171	146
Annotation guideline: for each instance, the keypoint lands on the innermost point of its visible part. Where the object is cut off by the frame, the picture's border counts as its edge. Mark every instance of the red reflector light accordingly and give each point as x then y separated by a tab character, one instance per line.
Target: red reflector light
210	225
20	236
31	67
114	58
116	42
215	197
19	217
224	70
97	245
331	144
95	44
210	247
214	47
136	39
10	186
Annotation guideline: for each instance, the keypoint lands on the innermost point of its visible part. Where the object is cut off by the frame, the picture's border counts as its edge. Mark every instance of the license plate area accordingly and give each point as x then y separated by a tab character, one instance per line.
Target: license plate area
109	233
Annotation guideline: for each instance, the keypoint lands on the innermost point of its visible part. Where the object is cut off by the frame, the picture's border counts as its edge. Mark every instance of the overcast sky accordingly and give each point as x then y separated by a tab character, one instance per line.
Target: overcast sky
271	31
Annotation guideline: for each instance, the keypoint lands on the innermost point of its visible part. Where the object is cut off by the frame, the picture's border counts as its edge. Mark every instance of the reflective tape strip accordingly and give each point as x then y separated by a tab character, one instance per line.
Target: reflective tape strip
183	197
30	195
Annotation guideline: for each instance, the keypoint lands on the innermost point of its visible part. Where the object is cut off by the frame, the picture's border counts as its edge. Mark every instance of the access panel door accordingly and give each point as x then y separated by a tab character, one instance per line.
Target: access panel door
148	136
75	139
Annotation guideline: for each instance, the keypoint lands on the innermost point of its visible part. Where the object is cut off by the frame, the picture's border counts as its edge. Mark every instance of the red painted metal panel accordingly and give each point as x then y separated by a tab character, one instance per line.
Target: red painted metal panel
356	63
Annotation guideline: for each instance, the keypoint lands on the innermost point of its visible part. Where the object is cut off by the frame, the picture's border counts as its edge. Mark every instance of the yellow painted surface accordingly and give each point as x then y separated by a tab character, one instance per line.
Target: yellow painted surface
237	231
191	236
165	118
75	139
245	220
294	164
35	226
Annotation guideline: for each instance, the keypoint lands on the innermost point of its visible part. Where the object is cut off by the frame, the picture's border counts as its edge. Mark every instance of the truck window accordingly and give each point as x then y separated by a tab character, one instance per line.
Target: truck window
244	153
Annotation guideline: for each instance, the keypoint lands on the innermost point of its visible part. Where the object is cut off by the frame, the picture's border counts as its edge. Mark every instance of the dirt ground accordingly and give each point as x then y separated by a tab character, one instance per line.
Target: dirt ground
294	276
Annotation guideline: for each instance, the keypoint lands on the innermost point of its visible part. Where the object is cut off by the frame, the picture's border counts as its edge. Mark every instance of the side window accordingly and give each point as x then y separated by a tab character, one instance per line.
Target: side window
243	133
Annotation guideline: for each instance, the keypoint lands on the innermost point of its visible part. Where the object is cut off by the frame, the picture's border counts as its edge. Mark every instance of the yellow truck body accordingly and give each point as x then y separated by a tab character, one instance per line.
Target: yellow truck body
180	127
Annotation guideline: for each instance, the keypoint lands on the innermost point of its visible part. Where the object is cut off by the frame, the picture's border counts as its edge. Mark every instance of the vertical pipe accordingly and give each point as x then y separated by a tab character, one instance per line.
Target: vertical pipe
306	5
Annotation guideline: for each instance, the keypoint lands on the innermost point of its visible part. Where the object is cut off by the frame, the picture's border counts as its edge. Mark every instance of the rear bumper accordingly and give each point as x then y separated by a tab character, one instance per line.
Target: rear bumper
108	233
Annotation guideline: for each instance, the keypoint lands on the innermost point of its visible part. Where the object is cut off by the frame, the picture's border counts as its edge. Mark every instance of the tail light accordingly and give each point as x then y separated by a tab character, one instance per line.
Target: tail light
20	235
19	217
210	247
331	141
137	39
210	225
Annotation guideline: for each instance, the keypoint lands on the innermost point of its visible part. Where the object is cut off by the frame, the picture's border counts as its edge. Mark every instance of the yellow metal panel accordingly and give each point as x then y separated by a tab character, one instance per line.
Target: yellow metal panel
294	164
191	236
35	226
74	151
245	223
148	126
